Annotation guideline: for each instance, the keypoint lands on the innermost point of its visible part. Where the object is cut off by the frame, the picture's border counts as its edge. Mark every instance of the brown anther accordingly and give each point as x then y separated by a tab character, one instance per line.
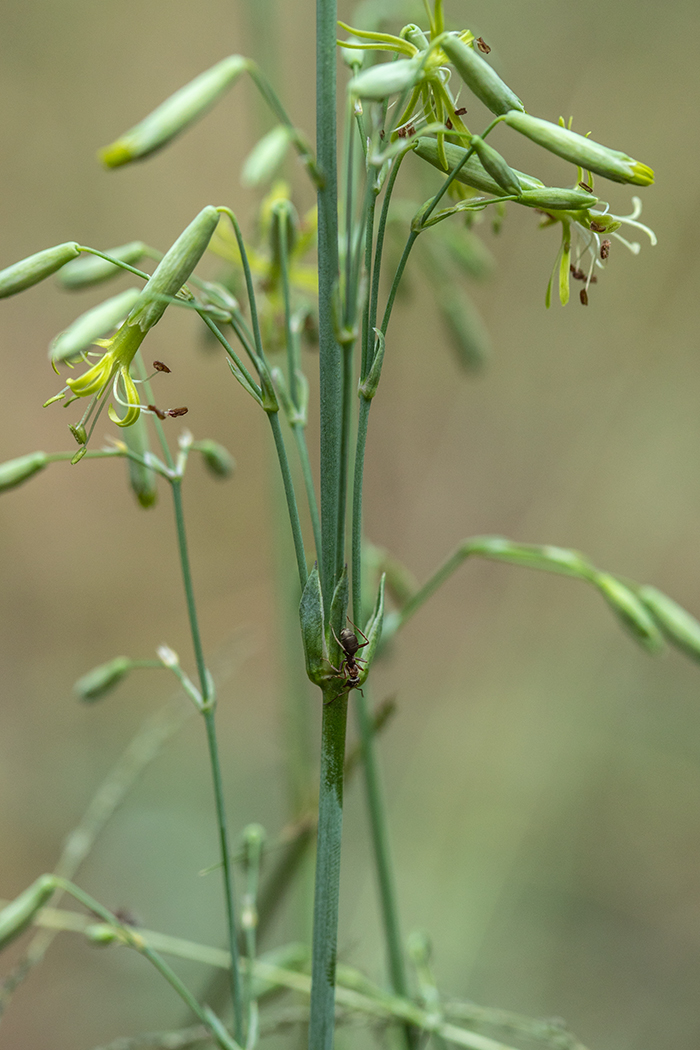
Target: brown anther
160	367
583	296
578	275
157	411
411	131
482	45
461	112
175	412
605	249
381	134
597	227
586	187
448	124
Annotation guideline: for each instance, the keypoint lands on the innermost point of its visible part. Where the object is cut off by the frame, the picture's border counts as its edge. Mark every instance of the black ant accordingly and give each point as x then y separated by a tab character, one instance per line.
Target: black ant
349	669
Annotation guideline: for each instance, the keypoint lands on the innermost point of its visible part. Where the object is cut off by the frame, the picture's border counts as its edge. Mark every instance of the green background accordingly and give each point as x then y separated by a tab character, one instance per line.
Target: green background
542	773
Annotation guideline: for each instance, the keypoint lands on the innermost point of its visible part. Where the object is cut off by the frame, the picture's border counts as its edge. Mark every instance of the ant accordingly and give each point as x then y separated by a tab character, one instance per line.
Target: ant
349	670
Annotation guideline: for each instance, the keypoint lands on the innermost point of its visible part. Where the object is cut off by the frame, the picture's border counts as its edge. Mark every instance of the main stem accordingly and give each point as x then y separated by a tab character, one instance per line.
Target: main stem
208	713
326	898
331	379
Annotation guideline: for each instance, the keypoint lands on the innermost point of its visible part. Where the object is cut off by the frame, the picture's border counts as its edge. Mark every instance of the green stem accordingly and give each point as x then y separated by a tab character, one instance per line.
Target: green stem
208	706
330	363
290	496
300	439
327	893
134	940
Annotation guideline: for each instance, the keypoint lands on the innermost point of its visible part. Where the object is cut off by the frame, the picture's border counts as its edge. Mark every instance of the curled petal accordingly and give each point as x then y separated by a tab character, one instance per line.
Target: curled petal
94	380
131	402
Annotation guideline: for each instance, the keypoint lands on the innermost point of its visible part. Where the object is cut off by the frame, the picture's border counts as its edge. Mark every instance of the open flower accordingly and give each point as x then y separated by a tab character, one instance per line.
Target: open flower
113	369
586	242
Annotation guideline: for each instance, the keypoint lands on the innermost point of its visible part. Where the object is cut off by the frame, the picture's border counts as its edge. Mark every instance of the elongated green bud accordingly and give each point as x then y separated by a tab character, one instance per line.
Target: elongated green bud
630	611
93	324
468	334
480	77
36	268
580	150
473	172
388	78
217	459
94	684
266	156
175	114
495	165
679	627
16	471
91	269
143	481
533	556
16	916
174	269
556	198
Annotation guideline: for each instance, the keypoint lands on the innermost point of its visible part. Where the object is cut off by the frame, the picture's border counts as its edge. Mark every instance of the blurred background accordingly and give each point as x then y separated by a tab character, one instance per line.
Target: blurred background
542	773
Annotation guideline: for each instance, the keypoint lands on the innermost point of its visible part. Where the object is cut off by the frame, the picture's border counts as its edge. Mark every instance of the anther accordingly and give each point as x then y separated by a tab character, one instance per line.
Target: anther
583	296
160	367
605	249
156	411
482	45
460	112
586	187
175	412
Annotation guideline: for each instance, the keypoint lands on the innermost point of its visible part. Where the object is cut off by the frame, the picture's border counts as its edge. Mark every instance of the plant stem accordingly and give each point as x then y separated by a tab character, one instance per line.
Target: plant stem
326	899
208	708
329	352
290	496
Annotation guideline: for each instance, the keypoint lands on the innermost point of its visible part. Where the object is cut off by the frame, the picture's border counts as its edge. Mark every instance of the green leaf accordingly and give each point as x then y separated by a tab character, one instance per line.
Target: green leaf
373	631
339	611
312	628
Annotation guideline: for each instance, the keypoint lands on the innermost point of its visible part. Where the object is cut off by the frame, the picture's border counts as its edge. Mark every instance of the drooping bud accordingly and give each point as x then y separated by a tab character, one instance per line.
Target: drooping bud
553	198
495	165
93	324
19	913
16	471
94	684
266	156
388	78
36	268
591	156
630	611
679	627
175	114
142	480
173	270
473	172
218	460
91	269
480	77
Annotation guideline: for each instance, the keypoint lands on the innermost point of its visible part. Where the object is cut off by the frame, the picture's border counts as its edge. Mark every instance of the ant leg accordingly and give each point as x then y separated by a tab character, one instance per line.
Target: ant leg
356	628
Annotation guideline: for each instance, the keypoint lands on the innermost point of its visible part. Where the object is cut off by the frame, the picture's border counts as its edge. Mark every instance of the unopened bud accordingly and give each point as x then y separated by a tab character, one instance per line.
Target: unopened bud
480	77
175	114
142	480
472	173
19	913
15	471
218	460
91	269
36	268
266	156
174	269
388	78
679	627
93	324
580	150
630	611
94	684
495	165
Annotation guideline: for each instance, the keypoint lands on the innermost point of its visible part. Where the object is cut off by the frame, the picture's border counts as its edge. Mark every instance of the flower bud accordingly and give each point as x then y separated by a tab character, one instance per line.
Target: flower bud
552	198
142	480
36	268
630	611
266	156
495	165
173	270
93	324
15	471
679	627
218	460
580	150
473	172
480	77
175	114
94	684
91	269
19	913
387	78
